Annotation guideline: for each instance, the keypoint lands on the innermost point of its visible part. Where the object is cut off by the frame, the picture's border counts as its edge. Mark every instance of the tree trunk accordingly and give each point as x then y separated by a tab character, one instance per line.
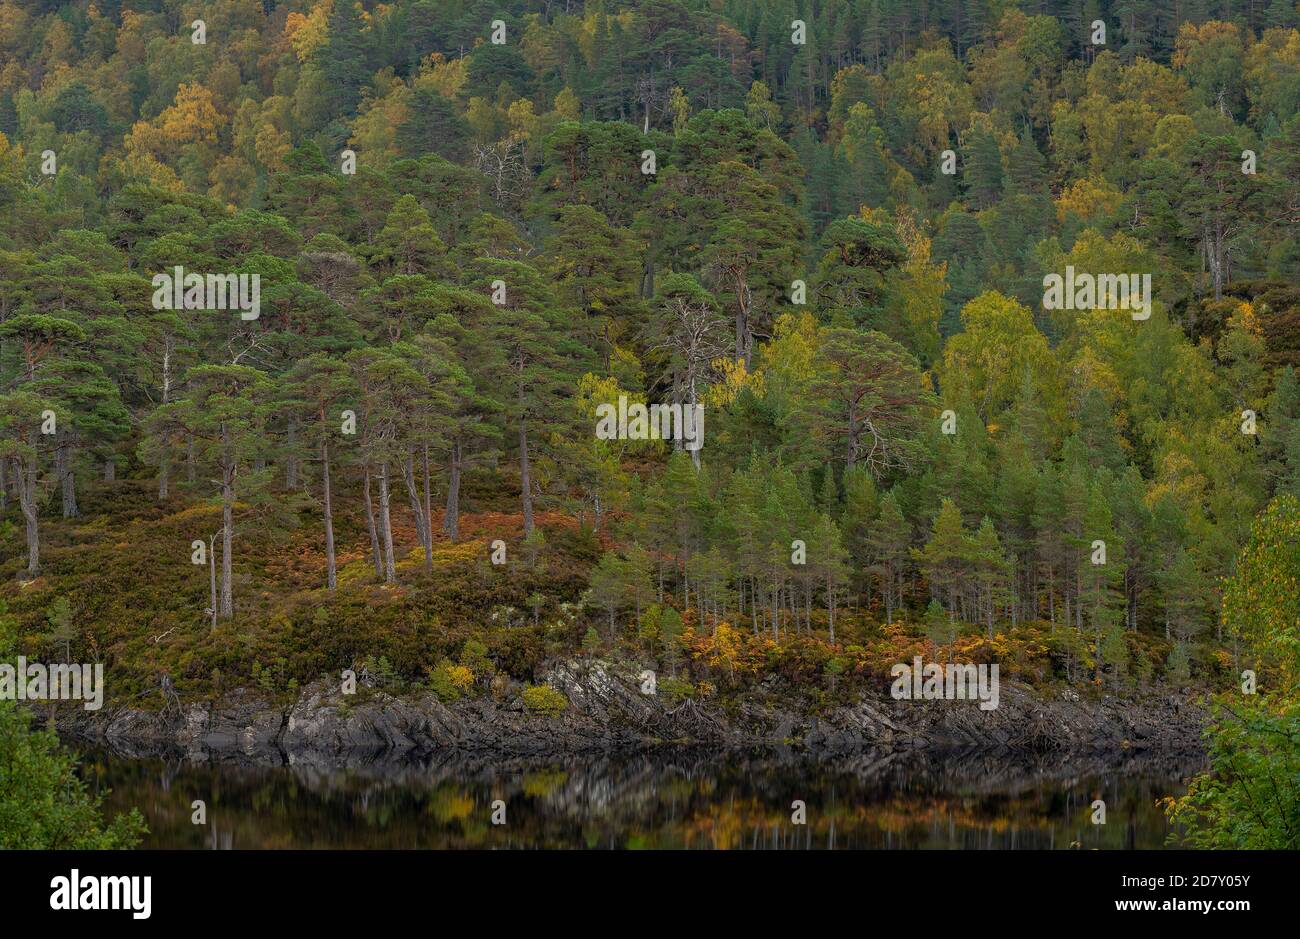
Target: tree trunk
33	538
740	331
212	577
830	608
25	481
851	441
67	480
776	623
417	506
386	525
227	531
370	525
525	481
451	518
164	455
330	564
227	522
164	471
428	514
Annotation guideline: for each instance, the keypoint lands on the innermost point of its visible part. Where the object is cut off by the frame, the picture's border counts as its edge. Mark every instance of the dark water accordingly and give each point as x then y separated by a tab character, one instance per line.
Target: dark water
667	799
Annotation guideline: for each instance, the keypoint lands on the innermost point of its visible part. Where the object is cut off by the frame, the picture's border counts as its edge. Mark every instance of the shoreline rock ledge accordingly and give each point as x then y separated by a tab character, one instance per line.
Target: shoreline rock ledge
608	711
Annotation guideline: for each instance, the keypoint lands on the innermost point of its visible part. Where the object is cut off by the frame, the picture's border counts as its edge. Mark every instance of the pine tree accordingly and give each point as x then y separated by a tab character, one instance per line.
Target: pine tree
887	548
344	59
22	417
1100	570
222	409
828	564
945	558
538	342
991	569
317	391
982	172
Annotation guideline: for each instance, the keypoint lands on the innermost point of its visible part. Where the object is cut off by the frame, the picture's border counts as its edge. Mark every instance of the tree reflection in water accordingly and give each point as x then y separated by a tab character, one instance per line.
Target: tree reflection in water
667	798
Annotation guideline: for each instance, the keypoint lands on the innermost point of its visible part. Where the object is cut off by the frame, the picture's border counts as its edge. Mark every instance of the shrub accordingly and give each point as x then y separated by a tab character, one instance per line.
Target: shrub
543	699
1250	797
381	672
450	682
474	656
44	804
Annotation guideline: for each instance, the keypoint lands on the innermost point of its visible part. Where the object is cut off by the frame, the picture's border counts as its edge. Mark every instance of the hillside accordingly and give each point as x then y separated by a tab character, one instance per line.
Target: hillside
766	347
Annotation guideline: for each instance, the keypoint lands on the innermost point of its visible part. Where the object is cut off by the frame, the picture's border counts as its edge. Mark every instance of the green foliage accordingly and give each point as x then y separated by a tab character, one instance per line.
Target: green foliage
1178	666
675	690
474	656
1250	797
1115	655
1261	604
1250	800
938	624
798	263
450	682
44	804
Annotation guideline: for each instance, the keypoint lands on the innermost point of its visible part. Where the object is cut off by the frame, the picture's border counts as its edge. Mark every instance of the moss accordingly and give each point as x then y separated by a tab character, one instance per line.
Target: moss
675	690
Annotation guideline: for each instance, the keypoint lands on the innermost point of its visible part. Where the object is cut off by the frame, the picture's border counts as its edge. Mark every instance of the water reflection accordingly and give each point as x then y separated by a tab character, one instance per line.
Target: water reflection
669	798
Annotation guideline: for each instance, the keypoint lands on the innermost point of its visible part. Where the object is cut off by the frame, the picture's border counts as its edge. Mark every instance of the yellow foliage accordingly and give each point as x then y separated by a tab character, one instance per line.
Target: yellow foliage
232	179
1088	198
722	649
15	27
11	158
567	104
145	166
191	119
461	677
272	147
1243	317
308	33
733	376
1191	37
374	132
789	359
543	699
447	77
523	120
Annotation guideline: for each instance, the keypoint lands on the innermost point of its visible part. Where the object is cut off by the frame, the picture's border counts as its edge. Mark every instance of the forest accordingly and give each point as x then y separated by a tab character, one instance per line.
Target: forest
828	225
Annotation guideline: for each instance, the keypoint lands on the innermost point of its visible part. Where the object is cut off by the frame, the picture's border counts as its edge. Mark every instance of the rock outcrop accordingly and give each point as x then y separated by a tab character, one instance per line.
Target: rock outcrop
608	711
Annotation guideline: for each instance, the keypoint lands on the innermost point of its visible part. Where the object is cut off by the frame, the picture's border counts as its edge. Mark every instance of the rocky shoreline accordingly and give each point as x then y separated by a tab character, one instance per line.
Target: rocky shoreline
607	711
